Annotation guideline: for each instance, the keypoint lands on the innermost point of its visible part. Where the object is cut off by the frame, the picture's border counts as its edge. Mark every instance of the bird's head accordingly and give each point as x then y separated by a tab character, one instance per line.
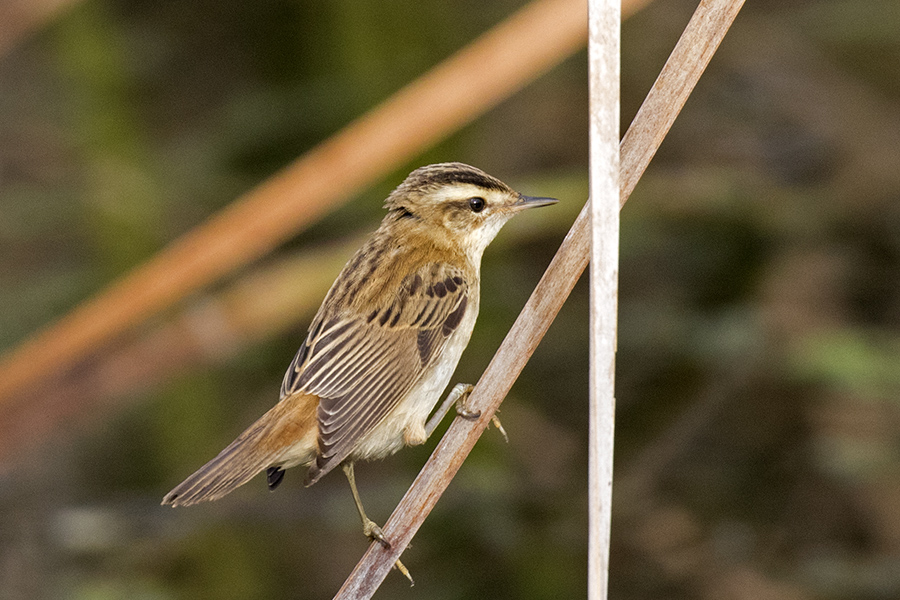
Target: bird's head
458	201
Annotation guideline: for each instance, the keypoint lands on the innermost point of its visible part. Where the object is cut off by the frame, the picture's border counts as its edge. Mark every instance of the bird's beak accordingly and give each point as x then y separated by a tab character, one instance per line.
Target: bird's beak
533	202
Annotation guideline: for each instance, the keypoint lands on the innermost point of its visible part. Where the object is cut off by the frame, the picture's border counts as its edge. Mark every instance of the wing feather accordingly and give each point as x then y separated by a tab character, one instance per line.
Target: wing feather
361	365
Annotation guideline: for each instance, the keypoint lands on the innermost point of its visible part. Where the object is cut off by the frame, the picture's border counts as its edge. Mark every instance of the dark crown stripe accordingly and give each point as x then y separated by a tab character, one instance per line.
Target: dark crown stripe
465	176
447	173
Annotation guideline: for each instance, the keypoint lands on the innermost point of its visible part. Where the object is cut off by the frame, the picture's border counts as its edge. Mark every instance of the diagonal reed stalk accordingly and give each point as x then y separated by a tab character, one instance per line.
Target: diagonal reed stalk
677	79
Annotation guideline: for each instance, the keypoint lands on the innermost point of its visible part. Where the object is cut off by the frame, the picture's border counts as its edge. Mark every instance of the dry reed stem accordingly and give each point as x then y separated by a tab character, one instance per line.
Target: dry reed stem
687	62
604	49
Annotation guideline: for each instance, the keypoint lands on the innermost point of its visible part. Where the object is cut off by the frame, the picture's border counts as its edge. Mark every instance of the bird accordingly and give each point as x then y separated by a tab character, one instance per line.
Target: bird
383	345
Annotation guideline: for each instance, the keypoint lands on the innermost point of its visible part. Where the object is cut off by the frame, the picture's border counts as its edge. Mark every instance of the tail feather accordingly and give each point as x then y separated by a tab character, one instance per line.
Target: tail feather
286	435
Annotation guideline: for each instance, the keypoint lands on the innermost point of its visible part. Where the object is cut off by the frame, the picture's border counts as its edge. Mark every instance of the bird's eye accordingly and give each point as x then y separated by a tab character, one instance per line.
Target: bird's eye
476	204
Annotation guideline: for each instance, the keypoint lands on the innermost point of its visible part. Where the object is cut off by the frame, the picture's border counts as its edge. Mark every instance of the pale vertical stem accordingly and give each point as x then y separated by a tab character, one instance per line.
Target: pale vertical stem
603	52
681	73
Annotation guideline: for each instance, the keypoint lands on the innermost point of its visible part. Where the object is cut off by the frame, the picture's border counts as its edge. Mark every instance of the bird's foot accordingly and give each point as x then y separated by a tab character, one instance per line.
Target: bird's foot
461	391
462	409
458	397
375	533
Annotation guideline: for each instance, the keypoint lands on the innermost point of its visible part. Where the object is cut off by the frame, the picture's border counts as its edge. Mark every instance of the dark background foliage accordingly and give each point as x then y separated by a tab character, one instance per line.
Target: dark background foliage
757	380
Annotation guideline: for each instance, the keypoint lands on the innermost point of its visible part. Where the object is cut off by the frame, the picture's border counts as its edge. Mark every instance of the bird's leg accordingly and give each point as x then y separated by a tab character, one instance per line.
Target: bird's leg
458	397
370	529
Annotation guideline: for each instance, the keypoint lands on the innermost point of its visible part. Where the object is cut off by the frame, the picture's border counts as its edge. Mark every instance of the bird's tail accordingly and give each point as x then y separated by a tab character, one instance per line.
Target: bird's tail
286	435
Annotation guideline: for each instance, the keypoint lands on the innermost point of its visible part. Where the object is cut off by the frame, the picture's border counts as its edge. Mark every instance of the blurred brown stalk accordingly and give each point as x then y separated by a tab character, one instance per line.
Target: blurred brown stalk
490	69
18	18
438	103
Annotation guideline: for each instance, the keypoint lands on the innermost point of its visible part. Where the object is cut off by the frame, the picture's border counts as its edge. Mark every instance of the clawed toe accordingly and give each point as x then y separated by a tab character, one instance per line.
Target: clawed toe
461	393
465	413
460	397
499	427
374	532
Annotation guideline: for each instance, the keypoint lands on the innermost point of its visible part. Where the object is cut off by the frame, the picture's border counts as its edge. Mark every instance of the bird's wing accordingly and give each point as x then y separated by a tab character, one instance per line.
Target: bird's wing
361	366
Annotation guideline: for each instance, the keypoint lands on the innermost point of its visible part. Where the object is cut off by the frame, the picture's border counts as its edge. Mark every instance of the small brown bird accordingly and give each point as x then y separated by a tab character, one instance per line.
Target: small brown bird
384	343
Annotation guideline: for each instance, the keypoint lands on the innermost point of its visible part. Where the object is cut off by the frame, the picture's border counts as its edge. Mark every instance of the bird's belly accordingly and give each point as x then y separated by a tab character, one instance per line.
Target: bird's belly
405	425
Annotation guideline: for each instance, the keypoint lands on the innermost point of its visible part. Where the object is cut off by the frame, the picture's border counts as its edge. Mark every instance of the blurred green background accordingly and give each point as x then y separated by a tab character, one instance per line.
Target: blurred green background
758	421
